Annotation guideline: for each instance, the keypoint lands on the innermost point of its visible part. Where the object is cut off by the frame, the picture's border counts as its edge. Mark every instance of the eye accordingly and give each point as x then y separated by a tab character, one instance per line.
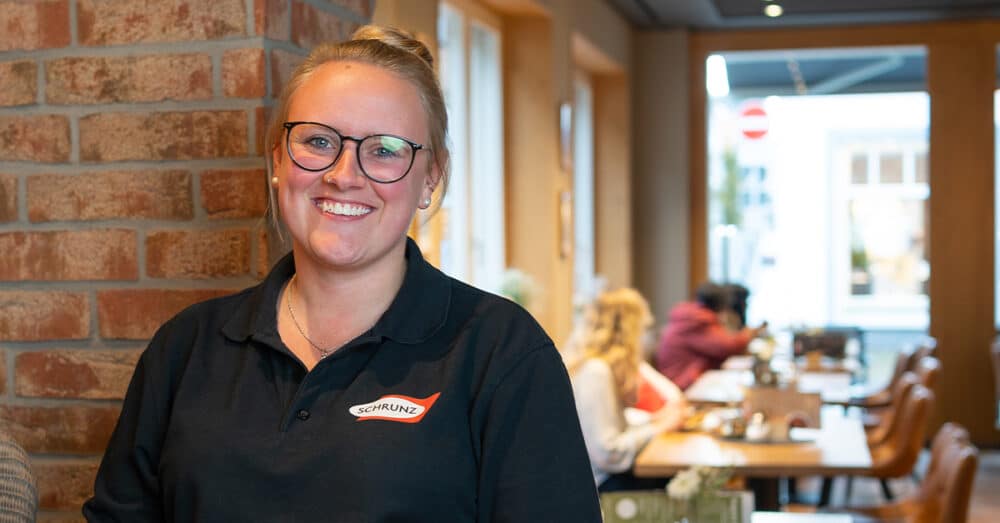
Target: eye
319	142
386	148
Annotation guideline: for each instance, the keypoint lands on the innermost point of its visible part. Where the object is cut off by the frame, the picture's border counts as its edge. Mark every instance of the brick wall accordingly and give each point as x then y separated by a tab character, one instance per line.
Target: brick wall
131	185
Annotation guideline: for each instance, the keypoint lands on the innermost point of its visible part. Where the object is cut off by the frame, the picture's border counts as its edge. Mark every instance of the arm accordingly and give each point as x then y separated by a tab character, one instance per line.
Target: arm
127	487
718	343
611	444
534	464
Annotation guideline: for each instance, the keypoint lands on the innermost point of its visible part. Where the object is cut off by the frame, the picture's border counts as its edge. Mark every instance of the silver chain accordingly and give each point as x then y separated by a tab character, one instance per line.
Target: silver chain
322	352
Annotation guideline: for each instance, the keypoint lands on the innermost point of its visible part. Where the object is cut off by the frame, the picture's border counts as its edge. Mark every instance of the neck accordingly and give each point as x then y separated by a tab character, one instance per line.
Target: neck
339	304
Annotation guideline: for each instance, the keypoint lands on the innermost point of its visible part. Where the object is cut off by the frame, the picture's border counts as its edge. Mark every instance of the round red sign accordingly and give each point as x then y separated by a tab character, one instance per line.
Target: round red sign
753	122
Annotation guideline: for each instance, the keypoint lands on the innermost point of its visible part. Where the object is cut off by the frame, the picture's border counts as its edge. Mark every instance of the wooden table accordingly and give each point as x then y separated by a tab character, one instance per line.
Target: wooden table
726	386
838	448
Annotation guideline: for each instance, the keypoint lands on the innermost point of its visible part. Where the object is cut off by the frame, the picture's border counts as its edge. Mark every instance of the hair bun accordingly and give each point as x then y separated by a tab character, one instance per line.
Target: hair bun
395	37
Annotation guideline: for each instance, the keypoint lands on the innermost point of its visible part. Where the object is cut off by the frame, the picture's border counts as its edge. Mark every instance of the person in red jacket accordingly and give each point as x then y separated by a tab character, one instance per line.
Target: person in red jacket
695	340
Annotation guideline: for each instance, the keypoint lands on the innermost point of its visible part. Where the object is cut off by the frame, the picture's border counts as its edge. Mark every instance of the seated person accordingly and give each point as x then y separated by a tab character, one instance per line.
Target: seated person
695	340
606	378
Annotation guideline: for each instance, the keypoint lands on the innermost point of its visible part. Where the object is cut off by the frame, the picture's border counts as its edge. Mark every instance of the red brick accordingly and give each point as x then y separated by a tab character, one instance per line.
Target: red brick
283	64
243	73
37	24
271	19
198	254
37	316
312	26
41	138
234	194
63	484
111	137
91	80
117	194
136	314
8	197
60	430
18	82
108	22
108	254
89	374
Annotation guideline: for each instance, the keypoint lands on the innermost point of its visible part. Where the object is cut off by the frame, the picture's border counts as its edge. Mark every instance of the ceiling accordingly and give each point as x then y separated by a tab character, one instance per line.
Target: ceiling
822	71
718	14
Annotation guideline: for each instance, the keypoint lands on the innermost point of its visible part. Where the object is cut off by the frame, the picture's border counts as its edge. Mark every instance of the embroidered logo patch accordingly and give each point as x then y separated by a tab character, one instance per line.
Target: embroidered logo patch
395	407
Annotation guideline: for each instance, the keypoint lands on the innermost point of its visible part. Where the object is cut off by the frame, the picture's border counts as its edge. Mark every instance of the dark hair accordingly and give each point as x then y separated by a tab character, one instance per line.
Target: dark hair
727	297
737	296
711	296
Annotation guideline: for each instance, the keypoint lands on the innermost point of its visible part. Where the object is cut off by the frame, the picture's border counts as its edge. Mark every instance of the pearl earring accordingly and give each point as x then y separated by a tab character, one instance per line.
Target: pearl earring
427	202
274	180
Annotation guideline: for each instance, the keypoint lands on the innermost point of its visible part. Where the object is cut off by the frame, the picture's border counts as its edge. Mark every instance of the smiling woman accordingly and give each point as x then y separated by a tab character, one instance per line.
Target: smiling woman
356	368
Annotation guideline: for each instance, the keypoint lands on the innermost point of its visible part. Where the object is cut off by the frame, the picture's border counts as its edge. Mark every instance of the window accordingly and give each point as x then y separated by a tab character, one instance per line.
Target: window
585	284
817	186
472	244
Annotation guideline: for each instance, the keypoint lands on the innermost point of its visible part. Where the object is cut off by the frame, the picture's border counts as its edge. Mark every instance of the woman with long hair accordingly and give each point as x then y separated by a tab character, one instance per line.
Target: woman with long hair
606	381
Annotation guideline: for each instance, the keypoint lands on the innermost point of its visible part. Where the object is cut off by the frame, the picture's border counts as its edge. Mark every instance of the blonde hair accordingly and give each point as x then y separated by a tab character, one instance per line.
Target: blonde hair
613	329
392	49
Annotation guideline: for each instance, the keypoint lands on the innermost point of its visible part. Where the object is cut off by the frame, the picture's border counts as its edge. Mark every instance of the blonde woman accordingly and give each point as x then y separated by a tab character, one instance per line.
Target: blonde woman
606	380
356	382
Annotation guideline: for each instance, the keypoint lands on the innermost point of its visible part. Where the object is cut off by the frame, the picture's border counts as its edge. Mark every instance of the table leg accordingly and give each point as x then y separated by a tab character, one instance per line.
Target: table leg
765	493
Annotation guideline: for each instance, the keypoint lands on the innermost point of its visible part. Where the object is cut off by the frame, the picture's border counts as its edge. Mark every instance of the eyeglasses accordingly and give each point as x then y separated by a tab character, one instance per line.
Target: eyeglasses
383	158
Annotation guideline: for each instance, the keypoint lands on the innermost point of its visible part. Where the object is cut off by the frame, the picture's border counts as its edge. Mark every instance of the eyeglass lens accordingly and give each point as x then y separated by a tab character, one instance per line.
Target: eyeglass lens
383	158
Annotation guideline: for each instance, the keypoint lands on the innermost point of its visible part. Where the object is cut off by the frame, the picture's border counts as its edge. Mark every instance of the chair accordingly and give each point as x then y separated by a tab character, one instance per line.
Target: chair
995	353
883	397
878	433
18	493
926	347
928	369
943	496
897	454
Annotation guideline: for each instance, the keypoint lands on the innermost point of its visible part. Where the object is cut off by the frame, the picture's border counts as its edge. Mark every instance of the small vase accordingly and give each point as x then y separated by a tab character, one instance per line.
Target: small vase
685	510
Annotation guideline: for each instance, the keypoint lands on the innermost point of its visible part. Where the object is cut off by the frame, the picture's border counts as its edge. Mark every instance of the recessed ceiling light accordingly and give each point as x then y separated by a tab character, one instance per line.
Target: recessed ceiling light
773	10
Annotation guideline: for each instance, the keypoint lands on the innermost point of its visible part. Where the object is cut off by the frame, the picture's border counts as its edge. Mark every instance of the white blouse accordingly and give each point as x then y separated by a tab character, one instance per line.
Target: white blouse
612	443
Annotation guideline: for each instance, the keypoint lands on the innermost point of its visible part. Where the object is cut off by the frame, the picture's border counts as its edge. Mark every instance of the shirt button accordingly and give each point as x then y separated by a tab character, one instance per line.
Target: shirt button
303	414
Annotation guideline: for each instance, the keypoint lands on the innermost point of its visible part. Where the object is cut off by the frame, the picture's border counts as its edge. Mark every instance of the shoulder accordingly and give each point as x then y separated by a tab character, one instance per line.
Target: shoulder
176	338
593	369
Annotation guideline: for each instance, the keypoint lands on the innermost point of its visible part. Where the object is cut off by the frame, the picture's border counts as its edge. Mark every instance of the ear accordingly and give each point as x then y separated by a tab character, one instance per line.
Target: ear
431	181
275	156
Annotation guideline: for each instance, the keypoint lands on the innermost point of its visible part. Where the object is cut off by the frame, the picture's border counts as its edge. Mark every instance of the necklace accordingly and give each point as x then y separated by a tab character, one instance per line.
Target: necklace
322	352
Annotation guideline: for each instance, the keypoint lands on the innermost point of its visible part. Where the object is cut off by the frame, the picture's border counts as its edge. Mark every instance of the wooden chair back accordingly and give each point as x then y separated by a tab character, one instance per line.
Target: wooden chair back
945	493
886	421
928	370
896	455
926	347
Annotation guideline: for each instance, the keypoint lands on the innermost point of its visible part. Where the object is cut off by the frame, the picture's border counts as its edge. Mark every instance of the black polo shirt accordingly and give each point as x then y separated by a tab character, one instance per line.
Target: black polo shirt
454	407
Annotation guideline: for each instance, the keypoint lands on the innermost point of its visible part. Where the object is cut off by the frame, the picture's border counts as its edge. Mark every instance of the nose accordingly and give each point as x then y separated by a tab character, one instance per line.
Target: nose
346	171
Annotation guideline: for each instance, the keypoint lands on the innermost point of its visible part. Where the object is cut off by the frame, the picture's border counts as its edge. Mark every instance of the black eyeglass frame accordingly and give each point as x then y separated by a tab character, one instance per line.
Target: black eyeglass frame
357	141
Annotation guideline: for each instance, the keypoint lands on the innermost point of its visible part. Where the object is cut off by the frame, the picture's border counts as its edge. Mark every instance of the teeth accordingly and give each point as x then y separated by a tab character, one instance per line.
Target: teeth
343	209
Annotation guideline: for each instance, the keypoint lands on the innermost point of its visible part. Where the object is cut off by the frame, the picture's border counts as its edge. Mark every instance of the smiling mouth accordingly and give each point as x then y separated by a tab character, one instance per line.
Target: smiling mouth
342	209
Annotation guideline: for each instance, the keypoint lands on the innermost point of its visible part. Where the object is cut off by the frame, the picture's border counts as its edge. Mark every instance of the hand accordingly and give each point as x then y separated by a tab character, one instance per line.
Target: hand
669	418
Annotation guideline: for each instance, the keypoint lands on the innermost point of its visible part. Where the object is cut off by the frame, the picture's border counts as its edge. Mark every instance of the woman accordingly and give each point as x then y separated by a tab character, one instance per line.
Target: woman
606	381
356	382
